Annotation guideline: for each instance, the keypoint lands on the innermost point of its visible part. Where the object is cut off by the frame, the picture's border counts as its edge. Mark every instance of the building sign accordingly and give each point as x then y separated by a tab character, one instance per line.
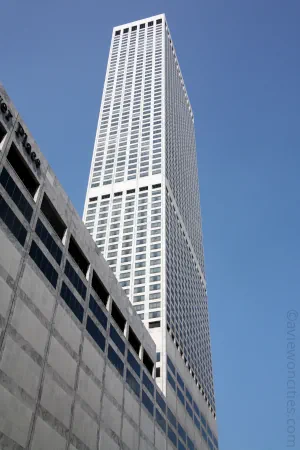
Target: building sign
20	133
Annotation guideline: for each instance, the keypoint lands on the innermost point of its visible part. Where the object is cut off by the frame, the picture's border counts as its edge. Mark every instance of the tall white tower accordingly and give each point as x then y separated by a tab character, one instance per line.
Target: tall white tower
142	205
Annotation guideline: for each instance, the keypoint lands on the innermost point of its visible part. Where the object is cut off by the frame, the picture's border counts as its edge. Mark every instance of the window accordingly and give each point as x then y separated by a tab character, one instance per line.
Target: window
149	385
48	241
117	339
190	444
147	403
133	362
75	280
133	383
118	317
97	311
172	418
72	301
157	372
180	381
115	360
16	195
133	340
189	410
12	222
148	363
78	256
43	264
155	324
188	395
171	381
172	436
22	170
170	365
53	217
99	288
158	357
96	334
181	432
160	420
2	132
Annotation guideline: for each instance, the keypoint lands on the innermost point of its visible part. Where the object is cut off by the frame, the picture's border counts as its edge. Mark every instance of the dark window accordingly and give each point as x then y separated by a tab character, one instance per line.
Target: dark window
209	432
210	444
53	217
96	334
172	436
133	362
72	301
75	280
158	357
2	132
12	222
155	324
99	288
189	396
180	445
150	24
190	444
118	316
133	340
147	403
157	372
117	339
16	195
156	186
160	420
204	434
126	30
180	381
131	191
189	410
78	256
197	410
43	264
93	199
133	383
171	365
117	194
160	401
149	385
171	381
99	314
142	25
197	422
180	396
22	170
117	32
159	21
134	28
172	419
148	363
145	188
181	432
48	241
116	360
105	196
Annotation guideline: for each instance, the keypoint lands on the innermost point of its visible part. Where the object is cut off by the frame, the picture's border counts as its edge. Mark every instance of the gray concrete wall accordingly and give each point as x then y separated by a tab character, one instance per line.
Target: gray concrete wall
58	389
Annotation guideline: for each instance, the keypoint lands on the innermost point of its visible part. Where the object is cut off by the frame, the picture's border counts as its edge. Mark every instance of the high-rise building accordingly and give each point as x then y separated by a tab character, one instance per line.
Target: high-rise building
142	205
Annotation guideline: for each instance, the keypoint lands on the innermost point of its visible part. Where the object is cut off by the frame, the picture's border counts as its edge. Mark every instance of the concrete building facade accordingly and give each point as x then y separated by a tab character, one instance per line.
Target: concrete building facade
77	365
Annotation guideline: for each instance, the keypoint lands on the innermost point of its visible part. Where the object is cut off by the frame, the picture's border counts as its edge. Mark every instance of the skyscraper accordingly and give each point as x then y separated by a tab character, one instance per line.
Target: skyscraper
142	205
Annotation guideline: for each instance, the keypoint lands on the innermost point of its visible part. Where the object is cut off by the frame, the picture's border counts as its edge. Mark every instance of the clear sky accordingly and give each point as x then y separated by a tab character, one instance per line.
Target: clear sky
241	65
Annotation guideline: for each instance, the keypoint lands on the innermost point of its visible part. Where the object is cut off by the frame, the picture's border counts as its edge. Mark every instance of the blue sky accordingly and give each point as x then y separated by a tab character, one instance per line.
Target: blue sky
240	61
